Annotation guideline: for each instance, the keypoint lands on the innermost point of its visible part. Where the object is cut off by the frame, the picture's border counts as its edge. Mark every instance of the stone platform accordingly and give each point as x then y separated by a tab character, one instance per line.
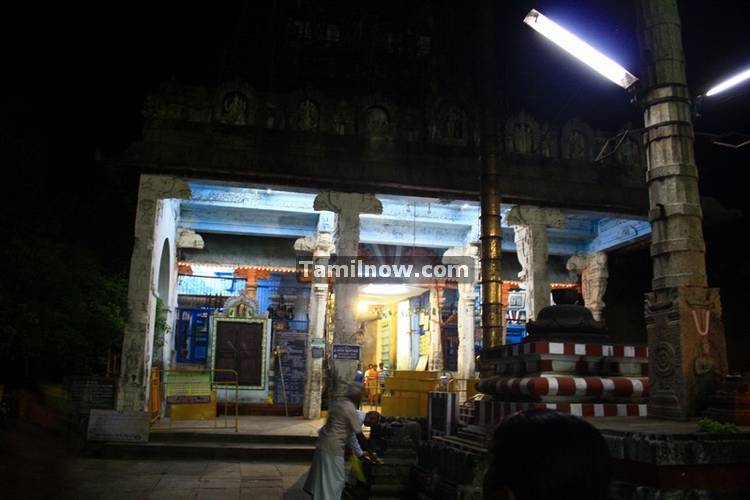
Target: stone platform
651	459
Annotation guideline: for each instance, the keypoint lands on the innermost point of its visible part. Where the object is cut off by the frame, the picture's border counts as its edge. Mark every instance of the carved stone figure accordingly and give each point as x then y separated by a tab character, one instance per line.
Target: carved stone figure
523	139
453	123
628	153
594	276
576	145
378	122
308	115
234	109
530	225
343	122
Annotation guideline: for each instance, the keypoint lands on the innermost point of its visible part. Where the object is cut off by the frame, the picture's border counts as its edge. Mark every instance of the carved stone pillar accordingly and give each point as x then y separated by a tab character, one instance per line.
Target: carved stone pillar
687	352
137	341
321	247
436	338
530	226
347	207
467	295
594	276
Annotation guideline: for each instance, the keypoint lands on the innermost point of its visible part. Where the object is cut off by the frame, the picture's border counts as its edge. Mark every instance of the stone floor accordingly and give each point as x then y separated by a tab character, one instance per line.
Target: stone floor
247	424
182	480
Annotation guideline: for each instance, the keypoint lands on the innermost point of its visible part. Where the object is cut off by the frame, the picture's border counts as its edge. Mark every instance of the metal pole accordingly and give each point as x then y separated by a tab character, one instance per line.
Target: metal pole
491	236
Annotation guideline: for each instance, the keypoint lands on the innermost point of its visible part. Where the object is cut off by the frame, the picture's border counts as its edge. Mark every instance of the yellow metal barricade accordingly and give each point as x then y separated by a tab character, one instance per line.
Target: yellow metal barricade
154	399
192	395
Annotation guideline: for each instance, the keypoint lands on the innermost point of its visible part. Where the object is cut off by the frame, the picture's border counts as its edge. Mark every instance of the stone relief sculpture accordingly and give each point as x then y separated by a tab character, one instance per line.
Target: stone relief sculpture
530	225
308	115
576	146
521	134
274	116
594	275
628	153
378	122
343	121
577	139
547	143
523	139
234	109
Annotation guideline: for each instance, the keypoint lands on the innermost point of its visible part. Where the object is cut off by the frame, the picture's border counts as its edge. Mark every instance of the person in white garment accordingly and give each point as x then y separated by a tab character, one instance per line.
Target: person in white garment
327	475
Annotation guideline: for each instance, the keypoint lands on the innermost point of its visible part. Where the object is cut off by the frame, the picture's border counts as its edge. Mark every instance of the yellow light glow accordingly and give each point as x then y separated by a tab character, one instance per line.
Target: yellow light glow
363	307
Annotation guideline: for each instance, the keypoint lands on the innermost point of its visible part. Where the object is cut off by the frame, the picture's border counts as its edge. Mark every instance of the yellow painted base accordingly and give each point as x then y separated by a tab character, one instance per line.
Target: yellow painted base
198	411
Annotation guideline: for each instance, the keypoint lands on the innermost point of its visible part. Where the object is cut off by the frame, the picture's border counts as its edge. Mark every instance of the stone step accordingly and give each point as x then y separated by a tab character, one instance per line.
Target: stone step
226	437
205	450
381	490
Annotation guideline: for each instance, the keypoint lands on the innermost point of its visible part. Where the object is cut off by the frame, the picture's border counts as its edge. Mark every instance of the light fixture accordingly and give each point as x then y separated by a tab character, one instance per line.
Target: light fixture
580	49
385	289
729	83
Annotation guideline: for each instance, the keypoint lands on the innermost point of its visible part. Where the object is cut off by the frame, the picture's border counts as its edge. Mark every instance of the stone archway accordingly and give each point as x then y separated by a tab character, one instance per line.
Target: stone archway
162	320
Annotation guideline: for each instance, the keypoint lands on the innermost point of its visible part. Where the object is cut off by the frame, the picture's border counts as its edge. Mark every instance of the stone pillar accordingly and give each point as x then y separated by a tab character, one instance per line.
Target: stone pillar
687	351
137	341
436	339
347	207
594	276
466	255
321	247
530	225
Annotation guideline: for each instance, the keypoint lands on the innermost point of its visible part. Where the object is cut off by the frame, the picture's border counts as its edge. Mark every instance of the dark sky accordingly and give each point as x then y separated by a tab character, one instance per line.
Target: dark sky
76	77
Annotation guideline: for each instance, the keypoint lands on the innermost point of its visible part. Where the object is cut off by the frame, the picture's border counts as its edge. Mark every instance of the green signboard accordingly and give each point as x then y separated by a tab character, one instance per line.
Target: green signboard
184	388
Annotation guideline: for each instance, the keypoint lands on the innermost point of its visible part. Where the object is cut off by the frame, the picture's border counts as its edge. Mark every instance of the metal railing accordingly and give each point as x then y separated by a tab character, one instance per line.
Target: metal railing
224	385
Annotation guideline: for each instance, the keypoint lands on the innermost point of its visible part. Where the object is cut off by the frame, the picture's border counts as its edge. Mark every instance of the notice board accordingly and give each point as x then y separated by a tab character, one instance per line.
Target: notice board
293	365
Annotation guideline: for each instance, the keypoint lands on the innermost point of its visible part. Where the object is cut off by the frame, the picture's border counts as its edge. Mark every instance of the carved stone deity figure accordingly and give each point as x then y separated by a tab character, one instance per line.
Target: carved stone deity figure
530	226
454	123
308	115
577	145
628	153
234	109
523	139
594	276
378	122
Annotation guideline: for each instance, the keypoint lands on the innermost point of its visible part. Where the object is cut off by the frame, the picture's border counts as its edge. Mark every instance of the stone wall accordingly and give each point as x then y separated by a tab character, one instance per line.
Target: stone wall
312	139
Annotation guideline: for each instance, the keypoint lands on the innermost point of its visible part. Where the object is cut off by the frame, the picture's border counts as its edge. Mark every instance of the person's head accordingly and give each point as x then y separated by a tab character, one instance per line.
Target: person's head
380	366
354	393
544	454
372	418
359	367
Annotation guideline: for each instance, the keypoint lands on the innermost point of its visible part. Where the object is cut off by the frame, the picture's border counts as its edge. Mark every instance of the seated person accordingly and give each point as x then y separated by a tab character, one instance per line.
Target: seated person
543	455
369	419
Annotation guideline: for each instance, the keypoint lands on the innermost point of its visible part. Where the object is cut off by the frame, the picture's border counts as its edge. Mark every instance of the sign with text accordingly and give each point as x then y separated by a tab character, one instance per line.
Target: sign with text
186	388
348	352
110	425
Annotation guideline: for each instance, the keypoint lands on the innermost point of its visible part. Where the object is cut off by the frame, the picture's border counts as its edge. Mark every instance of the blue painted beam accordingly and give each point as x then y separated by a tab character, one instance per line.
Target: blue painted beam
616	233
